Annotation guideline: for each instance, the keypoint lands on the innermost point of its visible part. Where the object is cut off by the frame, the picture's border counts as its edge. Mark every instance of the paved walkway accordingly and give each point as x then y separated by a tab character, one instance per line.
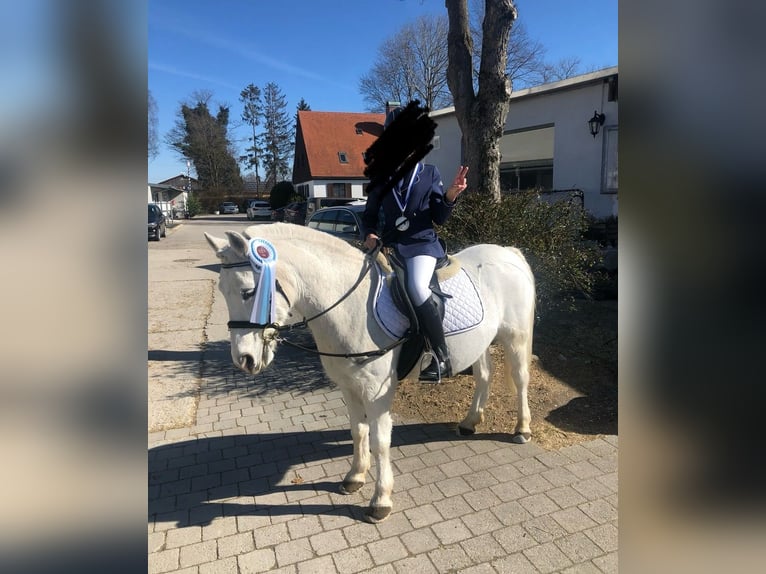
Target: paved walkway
251	486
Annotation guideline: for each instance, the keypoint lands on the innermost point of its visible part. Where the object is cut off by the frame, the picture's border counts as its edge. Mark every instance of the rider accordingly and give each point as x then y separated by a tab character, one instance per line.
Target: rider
411	208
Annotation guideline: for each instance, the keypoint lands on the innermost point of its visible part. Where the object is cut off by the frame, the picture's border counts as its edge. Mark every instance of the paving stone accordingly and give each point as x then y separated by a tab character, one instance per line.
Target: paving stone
419	541
538	504
481	522
534	483
513	538
559	476
219	528
236	544
478	569
451	531
510	513
293	551
452	507
221	566
353	560
591	488
415	565
423	515
449	558
607	564
270	535
578	547
183	536
544	529
164	561
605	536
583	469
547	558
599	510
573	519
483	548
427	493
506	491
514	564
257	561
358	534
198	553
481	499
328	542
395	525
386	550
322	565
565	496
582	568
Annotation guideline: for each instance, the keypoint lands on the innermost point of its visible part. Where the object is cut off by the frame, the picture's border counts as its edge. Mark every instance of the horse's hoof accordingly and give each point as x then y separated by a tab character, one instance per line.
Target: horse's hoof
377	514
521	437
350	487
462	431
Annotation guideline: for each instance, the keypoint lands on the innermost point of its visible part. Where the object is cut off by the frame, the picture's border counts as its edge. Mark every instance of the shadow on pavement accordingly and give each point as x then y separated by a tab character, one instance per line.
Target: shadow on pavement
192	482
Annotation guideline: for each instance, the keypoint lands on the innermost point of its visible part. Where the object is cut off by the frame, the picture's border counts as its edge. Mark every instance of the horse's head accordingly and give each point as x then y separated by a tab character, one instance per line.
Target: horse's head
252	349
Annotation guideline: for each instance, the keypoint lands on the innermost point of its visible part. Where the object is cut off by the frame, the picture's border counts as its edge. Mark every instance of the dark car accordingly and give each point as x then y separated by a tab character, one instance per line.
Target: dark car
344	221
295	213
157	222
278	214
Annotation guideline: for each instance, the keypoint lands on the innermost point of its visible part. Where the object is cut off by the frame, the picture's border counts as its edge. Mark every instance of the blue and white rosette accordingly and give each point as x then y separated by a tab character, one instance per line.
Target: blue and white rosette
263	258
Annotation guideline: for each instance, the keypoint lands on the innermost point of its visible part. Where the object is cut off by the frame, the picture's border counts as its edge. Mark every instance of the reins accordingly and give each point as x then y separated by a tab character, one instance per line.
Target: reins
304	322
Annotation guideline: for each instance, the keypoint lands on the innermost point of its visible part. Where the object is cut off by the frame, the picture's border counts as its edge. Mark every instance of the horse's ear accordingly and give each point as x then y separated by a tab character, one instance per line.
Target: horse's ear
238	243
216	242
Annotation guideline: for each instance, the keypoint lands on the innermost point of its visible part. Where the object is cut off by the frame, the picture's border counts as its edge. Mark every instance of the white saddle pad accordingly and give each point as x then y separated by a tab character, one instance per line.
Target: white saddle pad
463	312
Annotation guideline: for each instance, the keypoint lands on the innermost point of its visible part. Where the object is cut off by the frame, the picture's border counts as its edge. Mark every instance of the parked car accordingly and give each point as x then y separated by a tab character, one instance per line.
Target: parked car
157	222
344	221
259	209
278	214
316	203
229	207
295	213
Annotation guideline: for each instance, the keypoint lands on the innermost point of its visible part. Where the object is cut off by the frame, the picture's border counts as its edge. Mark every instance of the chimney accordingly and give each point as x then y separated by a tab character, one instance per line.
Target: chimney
391	106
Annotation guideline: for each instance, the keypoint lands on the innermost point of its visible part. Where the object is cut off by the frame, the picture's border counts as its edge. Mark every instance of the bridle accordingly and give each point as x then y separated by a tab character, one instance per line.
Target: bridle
277	328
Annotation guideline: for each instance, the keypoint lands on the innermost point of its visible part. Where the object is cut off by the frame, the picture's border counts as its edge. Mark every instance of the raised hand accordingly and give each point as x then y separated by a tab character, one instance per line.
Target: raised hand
458	185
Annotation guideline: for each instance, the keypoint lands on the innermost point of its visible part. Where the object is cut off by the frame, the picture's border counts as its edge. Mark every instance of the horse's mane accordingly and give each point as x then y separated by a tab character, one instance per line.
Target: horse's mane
304	238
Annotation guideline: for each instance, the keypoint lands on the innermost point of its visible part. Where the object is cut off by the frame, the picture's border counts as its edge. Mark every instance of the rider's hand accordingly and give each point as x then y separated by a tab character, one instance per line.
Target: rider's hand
371	241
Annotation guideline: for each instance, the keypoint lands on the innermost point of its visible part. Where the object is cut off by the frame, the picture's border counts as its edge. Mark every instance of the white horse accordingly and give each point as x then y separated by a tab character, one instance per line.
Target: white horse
314	271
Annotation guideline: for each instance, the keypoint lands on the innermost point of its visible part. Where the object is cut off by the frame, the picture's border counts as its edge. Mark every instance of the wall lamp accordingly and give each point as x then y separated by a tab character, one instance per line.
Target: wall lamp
596	122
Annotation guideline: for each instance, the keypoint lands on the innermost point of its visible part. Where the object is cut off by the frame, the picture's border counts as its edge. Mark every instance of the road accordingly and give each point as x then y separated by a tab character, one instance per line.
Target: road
184	314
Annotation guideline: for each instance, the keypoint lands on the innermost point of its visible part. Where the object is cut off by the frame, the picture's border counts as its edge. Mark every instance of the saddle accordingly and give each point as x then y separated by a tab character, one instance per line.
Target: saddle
412	348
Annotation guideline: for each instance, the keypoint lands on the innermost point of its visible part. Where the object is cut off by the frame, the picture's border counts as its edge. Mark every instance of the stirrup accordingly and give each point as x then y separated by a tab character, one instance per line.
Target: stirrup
428	376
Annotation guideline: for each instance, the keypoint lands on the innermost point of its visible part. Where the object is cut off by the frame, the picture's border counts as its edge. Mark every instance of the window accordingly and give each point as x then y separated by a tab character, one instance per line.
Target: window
346	223
342	157
610	160
358	131
521	177
337	190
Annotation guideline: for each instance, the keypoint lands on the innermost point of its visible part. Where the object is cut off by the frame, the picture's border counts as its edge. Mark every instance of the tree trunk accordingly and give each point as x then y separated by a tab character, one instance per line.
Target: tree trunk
481	116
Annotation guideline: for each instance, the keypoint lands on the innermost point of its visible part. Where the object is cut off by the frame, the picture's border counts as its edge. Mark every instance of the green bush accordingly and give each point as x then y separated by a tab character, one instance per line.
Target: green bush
281	194
550	234
193	205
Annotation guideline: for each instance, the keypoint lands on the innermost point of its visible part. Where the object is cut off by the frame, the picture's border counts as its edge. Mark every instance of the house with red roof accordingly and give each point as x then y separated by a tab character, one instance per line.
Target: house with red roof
329	153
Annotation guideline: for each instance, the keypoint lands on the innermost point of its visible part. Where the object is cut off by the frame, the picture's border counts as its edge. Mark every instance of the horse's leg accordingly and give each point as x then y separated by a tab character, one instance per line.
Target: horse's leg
518	355
380	442
482	373
360	433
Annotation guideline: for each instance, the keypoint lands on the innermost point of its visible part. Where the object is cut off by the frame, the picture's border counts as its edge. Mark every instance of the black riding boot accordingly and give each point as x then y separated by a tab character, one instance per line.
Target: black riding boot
431	326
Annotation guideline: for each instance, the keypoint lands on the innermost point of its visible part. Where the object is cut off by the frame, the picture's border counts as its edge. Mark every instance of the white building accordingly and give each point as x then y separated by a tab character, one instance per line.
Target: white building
547	142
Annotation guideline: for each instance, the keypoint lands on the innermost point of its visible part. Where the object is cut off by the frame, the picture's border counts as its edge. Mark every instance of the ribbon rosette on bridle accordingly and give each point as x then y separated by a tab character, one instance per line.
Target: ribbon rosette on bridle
263	259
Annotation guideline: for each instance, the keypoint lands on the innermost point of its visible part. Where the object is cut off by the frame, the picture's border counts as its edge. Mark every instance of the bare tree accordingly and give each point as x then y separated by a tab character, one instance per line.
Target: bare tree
561	70
411	66
153	146
481	113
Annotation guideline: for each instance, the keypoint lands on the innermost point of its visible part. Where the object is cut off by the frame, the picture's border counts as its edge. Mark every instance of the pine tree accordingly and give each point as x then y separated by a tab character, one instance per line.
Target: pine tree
251	115
275	141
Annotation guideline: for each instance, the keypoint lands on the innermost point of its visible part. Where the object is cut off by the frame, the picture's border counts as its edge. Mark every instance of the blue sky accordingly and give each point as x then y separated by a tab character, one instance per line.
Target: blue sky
319	49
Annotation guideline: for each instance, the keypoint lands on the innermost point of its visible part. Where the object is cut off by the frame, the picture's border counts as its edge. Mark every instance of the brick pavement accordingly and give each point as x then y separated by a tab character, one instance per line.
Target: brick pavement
252	487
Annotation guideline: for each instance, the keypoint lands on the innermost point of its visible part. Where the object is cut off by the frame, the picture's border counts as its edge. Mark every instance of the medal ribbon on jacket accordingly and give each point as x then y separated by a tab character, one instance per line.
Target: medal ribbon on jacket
263	259
402	223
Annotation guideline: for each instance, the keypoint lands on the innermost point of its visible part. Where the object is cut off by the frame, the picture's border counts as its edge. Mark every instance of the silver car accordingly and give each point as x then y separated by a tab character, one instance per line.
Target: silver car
229	207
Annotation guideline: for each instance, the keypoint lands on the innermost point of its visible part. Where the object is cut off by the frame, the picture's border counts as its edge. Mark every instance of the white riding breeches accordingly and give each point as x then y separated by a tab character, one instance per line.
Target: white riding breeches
420	269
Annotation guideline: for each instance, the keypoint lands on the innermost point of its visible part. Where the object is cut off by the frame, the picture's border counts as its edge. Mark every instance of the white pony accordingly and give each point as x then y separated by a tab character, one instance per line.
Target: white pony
314	271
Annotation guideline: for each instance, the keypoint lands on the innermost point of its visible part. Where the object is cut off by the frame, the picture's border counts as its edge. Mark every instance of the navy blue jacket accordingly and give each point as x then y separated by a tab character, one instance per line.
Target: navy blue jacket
426	205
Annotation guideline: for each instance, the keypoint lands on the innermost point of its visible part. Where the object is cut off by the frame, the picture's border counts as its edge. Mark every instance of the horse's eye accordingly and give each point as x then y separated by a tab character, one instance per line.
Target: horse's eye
247	293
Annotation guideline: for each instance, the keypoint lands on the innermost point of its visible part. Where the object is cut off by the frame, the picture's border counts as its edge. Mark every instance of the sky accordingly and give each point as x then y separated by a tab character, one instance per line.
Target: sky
318	50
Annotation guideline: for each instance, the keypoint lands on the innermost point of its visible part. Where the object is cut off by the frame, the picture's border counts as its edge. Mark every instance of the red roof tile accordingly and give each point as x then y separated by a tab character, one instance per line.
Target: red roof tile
326	134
